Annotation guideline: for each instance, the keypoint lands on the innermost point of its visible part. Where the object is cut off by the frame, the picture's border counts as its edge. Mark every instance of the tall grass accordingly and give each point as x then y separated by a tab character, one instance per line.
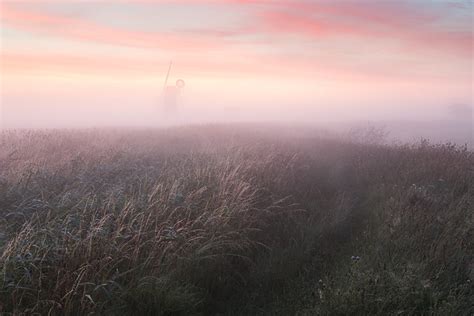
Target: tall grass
199	220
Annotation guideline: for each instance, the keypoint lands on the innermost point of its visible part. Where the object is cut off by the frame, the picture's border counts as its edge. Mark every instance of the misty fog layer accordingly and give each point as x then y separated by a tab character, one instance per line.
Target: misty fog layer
404	65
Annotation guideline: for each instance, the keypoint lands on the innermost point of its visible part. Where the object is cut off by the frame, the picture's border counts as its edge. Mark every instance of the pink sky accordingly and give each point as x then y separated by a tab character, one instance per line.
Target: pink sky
296	59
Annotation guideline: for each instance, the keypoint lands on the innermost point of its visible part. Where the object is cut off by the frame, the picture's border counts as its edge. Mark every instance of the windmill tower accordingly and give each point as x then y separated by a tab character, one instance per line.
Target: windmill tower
171	93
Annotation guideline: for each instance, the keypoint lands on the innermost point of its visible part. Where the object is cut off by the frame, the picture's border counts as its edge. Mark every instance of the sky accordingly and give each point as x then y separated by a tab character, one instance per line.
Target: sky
77	63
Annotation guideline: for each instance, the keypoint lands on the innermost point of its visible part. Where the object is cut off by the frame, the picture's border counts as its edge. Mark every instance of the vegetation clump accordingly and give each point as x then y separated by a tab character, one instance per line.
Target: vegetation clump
198	220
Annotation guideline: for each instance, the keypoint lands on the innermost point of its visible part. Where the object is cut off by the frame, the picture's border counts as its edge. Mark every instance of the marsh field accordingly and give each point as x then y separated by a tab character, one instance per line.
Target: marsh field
233	220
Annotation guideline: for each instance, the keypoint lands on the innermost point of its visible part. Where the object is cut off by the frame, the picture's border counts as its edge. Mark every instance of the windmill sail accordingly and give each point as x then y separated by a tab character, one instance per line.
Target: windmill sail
167	75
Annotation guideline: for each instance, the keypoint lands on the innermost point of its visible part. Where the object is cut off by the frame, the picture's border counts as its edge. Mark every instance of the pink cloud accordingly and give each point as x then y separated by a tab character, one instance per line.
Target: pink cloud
82	29
276	66
34	63
412	27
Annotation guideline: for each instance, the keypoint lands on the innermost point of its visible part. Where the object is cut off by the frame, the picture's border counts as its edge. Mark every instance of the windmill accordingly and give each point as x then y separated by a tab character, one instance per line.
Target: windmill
171	93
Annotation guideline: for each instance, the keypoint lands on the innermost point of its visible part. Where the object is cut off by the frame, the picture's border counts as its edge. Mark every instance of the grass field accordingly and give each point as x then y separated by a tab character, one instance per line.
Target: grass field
233	220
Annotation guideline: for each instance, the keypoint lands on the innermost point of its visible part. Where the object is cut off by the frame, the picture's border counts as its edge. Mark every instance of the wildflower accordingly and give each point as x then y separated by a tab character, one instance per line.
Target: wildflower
321	284
426	283
355	258
170	233
321	295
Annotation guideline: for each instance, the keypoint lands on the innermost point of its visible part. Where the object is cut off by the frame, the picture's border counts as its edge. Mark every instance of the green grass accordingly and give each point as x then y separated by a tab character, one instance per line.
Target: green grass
232	220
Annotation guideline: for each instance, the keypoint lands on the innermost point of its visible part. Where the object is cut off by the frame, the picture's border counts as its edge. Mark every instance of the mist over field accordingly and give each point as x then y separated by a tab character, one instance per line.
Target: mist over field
438	130
436	122
405	64
229	157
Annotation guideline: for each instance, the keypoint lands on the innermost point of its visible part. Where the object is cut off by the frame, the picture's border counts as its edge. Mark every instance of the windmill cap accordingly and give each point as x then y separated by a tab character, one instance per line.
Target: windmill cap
180	83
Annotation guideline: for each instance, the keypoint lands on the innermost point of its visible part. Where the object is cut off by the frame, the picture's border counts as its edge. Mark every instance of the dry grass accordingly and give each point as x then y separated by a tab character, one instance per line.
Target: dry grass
198	220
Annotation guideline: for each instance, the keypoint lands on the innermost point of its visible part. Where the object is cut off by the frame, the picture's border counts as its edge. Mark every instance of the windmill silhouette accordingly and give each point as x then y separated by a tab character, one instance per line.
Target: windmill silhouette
171	93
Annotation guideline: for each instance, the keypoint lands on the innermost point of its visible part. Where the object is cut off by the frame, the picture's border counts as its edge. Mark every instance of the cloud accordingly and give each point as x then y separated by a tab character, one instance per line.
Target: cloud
257	45
288	67
409	25
413	26
89	31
